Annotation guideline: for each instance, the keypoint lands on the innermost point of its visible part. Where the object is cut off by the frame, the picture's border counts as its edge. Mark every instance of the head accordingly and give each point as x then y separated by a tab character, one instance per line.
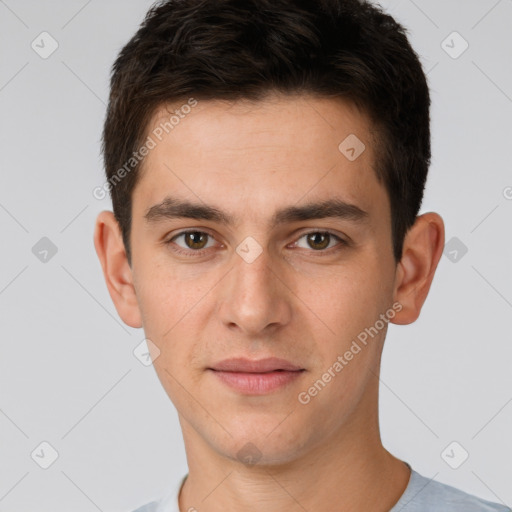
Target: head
232	50
293	137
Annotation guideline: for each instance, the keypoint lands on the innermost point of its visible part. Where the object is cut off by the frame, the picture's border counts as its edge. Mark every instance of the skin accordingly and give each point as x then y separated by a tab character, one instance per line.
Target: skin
250	159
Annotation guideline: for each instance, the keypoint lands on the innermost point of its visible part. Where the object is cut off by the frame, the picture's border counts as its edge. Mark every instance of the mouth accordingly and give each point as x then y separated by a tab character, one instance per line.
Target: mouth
244	365
256	377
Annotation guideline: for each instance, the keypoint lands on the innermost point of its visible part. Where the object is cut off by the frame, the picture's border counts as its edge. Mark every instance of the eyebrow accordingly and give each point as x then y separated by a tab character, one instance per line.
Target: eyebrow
172	208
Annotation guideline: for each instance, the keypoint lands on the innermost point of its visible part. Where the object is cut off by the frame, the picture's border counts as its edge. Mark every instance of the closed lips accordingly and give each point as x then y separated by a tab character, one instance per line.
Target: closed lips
243	365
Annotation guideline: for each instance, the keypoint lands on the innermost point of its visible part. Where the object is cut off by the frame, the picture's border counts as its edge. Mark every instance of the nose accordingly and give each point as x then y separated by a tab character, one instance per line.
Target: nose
255	298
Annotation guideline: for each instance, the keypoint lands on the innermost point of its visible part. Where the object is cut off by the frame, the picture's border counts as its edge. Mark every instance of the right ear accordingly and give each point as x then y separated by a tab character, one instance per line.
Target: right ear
117	272
422	250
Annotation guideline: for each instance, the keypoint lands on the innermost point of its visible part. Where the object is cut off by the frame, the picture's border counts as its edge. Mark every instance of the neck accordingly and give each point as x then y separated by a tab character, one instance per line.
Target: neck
350	469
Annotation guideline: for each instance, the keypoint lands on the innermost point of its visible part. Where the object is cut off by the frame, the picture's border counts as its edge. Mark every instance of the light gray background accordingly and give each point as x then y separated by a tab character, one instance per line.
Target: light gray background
68	375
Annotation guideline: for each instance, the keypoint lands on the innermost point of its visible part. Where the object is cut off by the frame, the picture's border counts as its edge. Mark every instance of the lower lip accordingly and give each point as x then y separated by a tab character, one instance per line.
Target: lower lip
257	383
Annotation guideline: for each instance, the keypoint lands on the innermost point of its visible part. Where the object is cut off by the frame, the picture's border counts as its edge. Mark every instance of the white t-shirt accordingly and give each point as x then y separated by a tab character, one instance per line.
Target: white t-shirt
421	495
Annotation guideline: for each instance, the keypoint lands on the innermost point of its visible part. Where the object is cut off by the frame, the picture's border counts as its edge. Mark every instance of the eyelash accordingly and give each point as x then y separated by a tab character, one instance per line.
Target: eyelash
200	252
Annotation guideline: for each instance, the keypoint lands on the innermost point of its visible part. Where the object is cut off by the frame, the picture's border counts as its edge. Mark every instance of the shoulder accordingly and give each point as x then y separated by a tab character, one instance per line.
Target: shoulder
149	507
426	495
168	502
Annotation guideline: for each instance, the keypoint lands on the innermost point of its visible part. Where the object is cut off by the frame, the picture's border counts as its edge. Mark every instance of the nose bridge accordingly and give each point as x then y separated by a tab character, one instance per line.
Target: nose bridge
254	297
254	272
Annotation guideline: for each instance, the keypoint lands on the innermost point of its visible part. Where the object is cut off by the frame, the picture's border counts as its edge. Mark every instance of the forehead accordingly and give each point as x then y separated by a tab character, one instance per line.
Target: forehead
308	120
260	153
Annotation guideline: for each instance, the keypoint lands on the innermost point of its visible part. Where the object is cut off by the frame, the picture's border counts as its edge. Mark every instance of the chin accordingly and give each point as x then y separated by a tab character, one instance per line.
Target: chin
261	449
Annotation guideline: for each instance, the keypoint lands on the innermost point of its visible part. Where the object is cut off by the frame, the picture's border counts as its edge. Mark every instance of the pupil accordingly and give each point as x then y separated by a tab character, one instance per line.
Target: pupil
196	238
313	238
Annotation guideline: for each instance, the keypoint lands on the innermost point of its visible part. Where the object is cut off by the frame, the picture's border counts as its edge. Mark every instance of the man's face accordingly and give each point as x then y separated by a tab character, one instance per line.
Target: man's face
281	293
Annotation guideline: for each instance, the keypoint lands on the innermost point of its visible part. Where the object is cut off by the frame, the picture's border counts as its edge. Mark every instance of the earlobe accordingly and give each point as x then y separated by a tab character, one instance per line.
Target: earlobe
422	250
116	270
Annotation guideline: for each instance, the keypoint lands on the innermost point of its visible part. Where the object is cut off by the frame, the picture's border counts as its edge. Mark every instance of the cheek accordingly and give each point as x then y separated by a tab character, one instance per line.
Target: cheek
344	301
346	341
167	294
346	309
175	303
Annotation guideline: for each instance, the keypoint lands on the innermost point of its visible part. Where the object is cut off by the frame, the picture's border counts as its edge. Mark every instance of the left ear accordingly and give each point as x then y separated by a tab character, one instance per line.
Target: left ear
111	252
422	250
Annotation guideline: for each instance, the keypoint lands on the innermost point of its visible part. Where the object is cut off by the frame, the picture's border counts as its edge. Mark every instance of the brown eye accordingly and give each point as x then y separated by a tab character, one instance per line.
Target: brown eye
318	241
195	239
191	241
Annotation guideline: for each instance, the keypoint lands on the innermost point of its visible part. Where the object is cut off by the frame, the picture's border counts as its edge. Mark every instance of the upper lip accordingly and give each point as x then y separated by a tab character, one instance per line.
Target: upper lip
241	364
